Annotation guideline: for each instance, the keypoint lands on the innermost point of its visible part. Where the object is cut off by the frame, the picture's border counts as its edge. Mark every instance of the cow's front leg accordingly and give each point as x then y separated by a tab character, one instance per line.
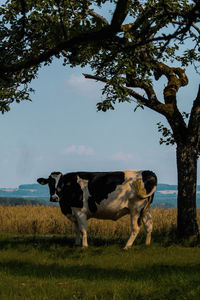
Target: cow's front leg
134	230
73	218
77	231
82	224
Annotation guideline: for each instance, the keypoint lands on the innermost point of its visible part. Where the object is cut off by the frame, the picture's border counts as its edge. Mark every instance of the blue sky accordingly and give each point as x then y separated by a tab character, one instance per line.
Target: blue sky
61	130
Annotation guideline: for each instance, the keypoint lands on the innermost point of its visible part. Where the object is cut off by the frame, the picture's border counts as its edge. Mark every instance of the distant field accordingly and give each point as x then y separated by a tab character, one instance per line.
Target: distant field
38	260
49	220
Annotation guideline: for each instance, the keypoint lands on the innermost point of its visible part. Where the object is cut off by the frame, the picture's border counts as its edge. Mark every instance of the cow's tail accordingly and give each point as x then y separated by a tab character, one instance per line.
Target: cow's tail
146	185
145	209
145	188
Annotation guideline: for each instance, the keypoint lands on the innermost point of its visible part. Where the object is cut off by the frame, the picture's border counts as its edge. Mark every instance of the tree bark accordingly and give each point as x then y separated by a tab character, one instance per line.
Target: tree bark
187	179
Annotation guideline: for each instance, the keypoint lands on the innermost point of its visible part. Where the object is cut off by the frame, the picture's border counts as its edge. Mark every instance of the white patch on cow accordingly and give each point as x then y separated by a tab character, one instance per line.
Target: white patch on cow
81	214
117	203
134	174
57	178
84	186
83	183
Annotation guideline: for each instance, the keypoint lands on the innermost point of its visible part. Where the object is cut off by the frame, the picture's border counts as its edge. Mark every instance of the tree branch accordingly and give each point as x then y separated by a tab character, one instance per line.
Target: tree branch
183	23
105	80
176	79
97	16
150	102
120	14
147	87
195	113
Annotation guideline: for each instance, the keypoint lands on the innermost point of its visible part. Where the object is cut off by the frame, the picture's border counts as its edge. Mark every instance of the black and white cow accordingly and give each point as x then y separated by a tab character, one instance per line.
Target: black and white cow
104	195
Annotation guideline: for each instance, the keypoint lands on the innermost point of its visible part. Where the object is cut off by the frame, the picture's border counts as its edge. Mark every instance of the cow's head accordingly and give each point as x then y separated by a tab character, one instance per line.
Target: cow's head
55	185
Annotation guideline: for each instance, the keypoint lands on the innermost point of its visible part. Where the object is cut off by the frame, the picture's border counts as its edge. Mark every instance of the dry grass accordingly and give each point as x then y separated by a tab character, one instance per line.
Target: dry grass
50	220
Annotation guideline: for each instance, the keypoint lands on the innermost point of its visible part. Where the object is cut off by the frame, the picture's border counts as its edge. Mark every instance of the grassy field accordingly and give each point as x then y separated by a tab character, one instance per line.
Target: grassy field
51	268
43	264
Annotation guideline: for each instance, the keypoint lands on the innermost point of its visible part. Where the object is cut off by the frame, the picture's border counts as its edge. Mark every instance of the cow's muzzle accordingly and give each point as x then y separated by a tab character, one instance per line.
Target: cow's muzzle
54	198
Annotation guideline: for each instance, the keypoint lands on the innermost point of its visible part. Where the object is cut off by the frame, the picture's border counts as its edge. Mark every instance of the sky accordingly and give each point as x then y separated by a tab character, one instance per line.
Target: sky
61	130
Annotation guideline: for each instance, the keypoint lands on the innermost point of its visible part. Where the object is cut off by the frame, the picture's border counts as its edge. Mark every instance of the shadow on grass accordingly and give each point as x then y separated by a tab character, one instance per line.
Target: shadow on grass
93	273
48	242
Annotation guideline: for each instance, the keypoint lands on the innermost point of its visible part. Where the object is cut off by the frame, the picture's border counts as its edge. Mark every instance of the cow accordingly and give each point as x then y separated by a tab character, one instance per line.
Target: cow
104	195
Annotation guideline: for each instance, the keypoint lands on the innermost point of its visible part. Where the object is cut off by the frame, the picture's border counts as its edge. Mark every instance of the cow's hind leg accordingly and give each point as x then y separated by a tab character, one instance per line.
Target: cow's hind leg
148	225
135	228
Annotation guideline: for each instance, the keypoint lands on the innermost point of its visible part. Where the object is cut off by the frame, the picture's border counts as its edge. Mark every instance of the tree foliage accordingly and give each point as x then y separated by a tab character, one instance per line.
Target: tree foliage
32	33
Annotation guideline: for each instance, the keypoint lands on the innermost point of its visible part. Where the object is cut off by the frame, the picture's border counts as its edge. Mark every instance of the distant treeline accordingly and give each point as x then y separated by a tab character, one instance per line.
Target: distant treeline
160	201
15	201
6	201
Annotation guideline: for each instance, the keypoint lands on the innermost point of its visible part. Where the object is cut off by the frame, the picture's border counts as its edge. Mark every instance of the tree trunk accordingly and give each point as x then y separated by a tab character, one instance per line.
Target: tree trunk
187	177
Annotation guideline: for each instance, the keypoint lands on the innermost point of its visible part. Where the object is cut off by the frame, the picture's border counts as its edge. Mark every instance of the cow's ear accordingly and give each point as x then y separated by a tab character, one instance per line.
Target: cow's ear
42	181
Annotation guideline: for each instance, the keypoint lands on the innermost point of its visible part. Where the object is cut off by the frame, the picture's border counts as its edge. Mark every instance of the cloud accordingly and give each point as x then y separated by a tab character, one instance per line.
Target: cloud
79	150
88	87
122	156
5	161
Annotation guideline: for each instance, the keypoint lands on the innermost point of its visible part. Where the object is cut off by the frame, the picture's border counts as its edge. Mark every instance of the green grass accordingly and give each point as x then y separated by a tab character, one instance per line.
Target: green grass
51	268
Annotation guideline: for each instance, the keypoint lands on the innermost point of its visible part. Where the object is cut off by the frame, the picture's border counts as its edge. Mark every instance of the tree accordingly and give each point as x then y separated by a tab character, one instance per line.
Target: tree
142	42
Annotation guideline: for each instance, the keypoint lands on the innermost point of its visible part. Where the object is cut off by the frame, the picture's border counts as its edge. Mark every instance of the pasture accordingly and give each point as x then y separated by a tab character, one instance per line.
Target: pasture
38	259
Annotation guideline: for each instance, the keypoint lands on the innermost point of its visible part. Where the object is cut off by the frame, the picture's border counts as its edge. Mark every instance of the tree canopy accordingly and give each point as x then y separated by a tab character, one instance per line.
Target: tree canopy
126	50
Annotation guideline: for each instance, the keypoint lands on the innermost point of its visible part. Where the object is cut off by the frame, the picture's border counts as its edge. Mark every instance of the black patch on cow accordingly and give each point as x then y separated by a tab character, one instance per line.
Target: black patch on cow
72	194
101	185
52	183
56	173
92	204
150	180
65	208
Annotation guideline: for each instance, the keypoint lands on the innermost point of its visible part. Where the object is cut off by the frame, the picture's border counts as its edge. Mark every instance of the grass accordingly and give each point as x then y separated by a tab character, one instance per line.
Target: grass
49	267
38	260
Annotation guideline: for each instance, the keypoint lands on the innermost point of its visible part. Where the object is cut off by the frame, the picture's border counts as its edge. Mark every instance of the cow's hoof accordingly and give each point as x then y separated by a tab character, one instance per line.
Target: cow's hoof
126	248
